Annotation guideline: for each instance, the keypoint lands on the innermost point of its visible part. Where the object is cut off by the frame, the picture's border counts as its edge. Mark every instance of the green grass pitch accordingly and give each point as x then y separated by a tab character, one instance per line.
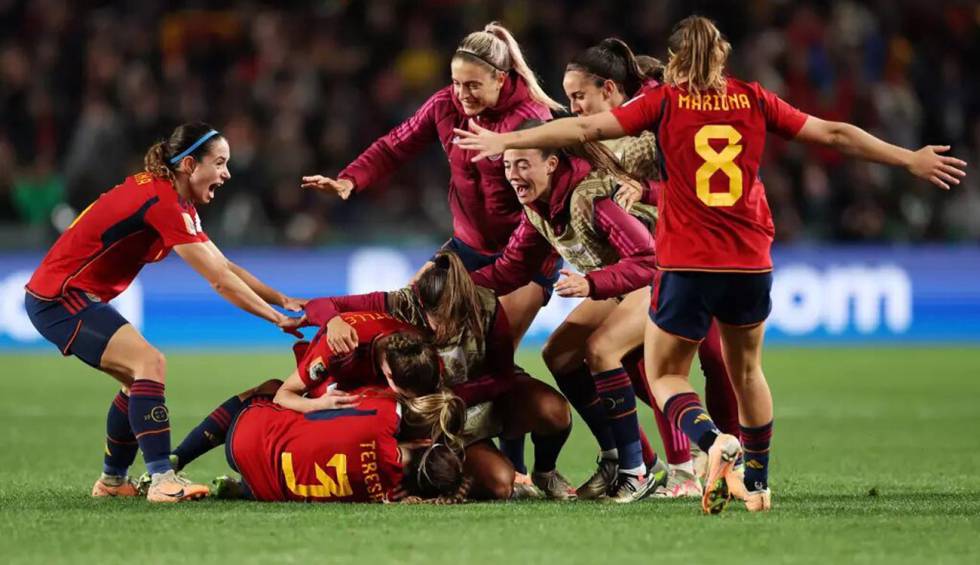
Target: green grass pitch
875	460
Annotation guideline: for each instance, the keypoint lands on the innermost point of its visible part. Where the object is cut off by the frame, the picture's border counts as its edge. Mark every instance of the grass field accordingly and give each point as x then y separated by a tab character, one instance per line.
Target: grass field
875	461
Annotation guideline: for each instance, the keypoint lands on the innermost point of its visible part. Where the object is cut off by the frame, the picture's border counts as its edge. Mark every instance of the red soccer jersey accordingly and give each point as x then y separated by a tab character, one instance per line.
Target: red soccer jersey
137	222
344	455
713	210
320	366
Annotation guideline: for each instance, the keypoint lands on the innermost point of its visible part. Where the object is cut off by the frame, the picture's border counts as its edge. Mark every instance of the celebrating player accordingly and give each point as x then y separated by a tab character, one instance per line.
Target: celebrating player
569	207
99	255
492	84
348	454
596	80
471	333
715	232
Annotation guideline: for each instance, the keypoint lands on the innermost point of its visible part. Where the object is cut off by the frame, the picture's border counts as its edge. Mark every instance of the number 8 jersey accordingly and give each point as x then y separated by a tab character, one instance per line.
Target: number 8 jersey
713	210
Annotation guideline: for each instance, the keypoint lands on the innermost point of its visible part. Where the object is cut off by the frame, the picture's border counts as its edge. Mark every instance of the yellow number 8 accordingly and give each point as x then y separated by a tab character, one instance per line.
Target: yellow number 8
715	161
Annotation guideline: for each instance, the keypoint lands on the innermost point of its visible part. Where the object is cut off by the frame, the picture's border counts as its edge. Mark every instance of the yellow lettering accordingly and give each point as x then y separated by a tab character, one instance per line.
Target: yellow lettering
743	101
696	102
327	487
369	467
684	102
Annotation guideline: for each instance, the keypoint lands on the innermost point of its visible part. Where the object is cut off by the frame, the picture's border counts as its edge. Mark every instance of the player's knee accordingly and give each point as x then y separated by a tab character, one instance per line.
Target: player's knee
554	412
153	365
268	388
556	356
500	483
600	352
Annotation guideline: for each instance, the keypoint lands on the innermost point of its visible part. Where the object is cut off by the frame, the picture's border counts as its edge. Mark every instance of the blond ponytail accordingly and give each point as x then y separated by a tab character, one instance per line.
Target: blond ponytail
442	414
520	66
697	55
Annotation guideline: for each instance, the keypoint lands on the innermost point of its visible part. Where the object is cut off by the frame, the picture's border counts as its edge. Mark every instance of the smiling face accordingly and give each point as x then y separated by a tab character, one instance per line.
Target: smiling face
207	174
529	173
476	86
586	98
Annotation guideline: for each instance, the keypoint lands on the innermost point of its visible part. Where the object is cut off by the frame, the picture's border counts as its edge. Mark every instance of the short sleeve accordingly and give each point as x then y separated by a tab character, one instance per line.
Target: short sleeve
782	117
175	225
640	112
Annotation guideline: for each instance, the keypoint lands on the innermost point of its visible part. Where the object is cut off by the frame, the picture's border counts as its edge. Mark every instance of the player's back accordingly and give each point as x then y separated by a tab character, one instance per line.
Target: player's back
110	241
713	209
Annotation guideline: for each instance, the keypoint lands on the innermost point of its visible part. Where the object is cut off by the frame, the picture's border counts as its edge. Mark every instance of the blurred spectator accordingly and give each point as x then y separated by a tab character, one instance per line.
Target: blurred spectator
84	90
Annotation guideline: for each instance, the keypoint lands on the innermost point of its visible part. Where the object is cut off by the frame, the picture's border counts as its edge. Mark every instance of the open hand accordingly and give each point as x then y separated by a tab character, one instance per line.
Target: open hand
334	399
292	325
628	194
294	304
940	170
485	142
342	187
573	285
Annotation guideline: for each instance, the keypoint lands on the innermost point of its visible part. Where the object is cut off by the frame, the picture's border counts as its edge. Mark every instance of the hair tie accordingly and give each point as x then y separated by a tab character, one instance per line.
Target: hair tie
176	158
462	51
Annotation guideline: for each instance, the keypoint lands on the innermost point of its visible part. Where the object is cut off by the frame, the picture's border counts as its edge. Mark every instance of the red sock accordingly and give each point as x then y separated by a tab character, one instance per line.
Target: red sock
677	448
719	396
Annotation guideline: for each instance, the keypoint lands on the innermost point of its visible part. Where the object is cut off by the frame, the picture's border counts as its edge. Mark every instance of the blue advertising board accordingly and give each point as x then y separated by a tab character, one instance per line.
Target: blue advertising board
831	295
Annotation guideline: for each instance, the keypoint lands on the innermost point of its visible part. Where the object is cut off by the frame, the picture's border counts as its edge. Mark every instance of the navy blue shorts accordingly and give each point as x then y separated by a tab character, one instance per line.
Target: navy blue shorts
473	260
77	324
686	301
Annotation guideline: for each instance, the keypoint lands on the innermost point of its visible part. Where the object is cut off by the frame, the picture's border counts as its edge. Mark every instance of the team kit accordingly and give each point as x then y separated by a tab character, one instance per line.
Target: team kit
642	197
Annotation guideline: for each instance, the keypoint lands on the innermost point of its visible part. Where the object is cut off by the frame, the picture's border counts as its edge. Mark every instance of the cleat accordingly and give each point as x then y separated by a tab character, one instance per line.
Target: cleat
600	482
630	488
169	487
524	489
721	460
110	486
143	484
758	501
554	486
736	482
700	461
680	484
227	488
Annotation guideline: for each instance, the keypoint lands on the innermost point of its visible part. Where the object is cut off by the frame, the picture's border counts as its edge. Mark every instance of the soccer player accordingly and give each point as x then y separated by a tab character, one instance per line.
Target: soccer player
715	232
348	454
569	207
391	355
98	256
596	80
472	335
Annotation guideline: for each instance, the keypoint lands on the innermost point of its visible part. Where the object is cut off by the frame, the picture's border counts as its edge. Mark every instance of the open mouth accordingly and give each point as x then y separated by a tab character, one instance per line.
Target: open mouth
522	190
213	188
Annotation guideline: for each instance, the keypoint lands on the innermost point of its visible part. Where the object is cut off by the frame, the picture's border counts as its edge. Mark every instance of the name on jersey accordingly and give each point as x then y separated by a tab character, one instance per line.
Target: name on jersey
713	102
369	470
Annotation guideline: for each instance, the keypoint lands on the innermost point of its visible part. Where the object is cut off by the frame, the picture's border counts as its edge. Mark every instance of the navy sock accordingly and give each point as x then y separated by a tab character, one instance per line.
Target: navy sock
755	443
547	448
687	414
150	421
616	391
210	433
579	388
120	443
514	450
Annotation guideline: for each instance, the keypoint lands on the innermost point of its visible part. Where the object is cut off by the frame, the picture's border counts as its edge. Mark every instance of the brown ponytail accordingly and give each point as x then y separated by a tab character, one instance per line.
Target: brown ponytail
612	59
414	363
496	47
158	156
447	293
697	55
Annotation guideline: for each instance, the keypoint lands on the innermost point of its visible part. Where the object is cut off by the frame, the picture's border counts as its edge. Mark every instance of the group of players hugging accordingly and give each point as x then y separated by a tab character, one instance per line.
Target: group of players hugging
399	395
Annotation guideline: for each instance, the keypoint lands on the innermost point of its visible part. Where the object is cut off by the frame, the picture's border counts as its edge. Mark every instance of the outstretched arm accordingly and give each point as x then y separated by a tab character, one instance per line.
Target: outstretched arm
265	292
290	395
217	271
926	163
556	133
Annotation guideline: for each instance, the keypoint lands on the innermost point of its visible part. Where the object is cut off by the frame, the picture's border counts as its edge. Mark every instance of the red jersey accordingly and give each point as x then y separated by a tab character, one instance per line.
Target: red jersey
135	223
320	366
713	210
343	455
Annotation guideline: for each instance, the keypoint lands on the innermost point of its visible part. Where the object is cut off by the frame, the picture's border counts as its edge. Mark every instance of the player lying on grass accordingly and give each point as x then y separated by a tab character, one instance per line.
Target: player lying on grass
569	208
471	333
598	79
138	222
715	237
349	454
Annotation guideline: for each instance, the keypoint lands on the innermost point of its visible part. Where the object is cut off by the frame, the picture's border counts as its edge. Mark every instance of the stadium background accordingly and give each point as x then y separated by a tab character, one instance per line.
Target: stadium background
85	87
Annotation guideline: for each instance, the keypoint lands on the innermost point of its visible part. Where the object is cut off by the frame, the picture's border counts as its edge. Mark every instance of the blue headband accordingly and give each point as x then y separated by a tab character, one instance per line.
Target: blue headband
176	158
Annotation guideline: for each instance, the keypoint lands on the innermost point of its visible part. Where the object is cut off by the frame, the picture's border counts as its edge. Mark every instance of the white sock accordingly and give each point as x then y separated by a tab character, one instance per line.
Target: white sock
635	471
685	467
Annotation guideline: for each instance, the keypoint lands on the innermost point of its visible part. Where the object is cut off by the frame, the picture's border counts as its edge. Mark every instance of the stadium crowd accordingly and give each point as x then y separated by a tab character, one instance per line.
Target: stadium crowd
303	91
